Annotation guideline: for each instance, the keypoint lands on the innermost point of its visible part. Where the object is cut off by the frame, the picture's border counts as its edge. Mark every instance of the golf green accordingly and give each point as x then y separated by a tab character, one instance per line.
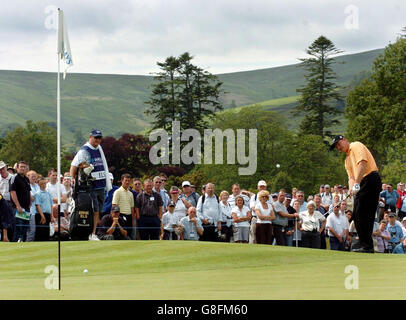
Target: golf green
195	270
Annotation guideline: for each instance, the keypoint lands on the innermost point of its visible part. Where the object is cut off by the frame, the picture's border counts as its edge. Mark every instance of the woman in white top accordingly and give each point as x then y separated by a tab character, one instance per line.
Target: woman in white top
181	204
225	217
241	215
310	226
265	215
297	235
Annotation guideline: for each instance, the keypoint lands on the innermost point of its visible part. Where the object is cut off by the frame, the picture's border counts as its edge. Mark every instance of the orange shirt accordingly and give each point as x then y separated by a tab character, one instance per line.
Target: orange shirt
356	153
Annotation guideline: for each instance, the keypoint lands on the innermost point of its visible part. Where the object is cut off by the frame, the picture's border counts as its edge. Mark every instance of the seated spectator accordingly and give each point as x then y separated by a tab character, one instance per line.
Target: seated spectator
190	227
396	233
169	223
400	248
111	226
310	226
382	237
241	216
65	221
43	217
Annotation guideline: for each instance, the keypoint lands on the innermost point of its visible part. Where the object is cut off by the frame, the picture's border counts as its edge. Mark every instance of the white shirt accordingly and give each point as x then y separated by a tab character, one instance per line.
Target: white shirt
231	199
5	186
326	199
339	224
310	223
52	189
180	210
226	213
241	214
254	201
168	219
264	212
209	210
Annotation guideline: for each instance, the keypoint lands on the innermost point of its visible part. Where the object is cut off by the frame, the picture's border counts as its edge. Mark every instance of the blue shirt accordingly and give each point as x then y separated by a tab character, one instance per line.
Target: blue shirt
390	197
400	248
44	200
34	189
164	196
396	233
109	199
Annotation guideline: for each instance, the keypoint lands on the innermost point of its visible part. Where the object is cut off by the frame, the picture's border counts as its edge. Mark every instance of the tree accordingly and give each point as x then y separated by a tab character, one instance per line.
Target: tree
320	90
36	144
376	109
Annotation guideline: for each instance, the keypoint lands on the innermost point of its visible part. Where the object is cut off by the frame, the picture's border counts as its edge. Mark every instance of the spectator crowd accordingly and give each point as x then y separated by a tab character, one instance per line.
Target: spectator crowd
149	210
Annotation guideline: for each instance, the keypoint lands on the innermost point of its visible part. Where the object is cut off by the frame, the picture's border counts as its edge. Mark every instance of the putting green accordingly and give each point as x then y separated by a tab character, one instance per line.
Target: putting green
195	270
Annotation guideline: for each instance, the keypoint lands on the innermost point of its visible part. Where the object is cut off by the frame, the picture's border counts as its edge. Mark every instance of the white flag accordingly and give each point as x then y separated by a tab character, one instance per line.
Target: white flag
63	43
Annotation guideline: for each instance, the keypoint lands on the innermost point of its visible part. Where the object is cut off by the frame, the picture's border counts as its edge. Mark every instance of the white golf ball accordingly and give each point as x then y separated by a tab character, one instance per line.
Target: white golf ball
278	165
85	271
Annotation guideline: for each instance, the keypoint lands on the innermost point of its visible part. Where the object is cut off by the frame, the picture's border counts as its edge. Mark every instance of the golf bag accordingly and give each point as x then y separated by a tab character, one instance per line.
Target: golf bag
81	220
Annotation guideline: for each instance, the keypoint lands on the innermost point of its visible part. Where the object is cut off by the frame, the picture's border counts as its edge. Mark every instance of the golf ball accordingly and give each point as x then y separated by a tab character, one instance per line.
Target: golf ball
85	271
278	165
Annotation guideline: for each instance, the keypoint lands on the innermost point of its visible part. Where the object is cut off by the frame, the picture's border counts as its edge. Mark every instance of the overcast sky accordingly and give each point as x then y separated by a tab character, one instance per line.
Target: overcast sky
130	36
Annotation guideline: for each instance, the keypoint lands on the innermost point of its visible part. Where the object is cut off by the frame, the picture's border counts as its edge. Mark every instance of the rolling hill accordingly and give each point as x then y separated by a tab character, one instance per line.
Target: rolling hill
116	103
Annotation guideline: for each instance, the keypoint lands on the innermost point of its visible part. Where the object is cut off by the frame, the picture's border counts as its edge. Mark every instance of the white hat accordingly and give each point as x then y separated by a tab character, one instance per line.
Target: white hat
111	176
185	183
2	164
404	219
261	183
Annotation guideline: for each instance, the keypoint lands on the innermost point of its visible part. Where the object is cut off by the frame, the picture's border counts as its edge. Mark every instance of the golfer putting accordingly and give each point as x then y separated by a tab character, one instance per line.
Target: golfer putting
365	184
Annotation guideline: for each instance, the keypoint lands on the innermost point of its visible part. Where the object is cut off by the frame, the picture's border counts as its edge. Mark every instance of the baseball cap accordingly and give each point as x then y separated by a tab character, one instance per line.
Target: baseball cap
274	195
340	186
2	164
288	196
115	208
335	141
261	183
171	204
322	186
185	183
404	219
96	133
392	214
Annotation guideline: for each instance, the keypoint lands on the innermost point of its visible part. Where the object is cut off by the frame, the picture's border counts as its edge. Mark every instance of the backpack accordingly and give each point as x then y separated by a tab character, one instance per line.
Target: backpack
204	198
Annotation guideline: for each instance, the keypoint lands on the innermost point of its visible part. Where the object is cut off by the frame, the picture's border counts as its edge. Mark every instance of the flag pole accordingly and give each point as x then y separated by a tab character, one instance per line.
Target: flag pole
58	134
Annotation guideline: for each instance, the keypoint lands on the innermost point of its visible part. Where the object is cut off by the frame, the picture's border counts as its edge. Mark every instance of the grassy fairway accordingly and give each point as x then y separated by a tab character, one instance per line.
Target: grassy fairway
194	270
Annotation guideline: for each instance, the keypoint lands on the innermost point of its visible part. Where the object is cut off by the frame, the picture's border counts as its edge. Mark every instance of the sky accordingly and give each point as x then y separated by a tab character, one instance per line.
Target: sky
131	36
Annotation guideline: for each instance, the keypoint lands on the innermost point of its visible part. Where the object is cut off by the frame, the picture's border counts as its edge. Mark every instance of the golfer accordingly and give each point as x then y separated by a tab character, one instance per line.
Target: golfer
364	184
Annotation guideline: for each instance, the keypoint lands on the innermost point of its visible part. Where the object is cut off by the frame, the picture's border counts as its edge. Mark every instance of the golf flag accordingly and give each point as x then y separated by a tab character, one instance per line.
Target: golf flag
63	43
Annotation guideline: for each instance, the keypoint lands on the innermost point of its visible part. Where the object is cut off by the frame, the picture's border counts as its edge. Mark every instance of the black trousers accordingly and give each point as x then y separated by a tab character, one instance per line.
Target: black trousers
209	233
278	233
365	204
42	230
150	227
311	239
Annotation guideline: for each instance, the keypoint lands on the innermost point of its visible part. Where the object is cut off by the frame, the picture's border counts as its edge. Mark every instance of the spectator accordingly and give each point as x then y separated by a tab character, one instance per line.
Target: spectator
337	226
32	177
124	199
391	197
297	235
193	188
5	178
226	217
21	198
6	219
294	191
321	189
349	198
336	200
326	198
43	204
66	186
148	208
310	226
384	186
190	196
290	229
400	248
164	178
236	191
209	212
137	187
136	190
404	226
386	217
190	227
323	231
108	199
281	218
11	171
241	216
157	188
382	237
300	198
64	222
181	204
253	203
52	188
402	206
265	215
396	233
274	198
169	223
111	226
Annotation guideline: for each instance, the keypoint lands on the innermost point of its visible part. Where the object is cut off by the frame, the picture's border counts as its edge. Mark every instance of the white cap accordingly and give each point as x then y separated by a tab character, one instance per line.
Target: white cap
2	164
261	183
404	219
185	183
111	176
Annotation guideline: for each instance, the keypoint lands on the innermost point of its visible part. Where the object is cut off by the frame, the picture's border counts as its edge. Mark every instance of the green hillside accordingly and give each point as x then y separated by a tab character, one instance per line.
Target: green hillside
116	103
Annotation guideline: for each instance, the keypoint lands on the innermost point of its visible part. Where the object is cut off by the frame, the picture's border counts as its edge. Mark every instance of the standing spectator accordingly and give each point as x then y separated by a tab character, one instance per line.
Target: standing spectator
92	153
20	192
297	235
265	215
326	198
349	198
148	210
124	199
290	229
384	186
164	178
209	212
396	233
32	177
310	226
43	217
136	190
253	203
401	202
157	188
281	219
391	197
236	191
336	200
294	191
190	196
190	227
169	223
300	197
383	237
137	187
193	188
52	188
241	216
181	205
6	219
400	248
323	231
226	217
109	197
321	189
5	177
111	226
337	226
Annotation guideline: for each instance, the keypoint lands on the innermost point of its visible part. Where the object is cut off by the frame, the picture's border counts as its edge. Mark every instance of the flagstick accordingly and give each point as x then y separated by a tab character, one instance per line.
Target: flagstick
58	126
